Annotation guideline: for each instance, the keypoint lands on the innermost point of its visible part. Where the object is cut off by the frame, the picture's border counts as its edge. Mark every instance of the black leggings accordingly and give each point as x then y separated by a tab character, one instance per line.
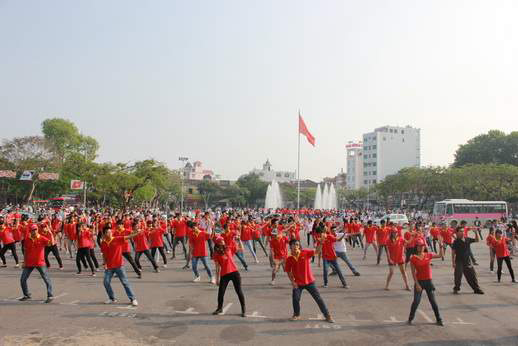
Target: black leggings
427	286
82	254
235	277
94	259
55	252
508	263
4	249
162	253
127	256
262	246
175	242
148	255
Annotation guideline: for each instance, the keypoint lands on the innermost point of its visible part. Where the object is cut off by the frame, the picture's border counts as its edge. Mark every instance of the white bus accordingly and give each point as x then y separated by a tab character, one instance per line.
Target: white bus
464	209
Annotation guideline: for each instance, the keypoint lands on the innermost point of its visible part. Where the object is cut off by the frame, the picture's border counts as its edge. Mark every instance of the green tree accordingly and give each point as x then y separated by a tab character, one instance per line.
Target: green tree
256	187
208	191
494	147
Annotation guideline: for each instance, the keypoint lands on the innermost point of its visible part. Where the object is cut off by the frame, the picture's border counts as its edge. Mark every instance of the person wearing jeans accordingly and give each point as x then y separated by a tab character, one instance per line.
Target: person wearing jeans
35	259
198	239
112	248
341	252
298	268
329	255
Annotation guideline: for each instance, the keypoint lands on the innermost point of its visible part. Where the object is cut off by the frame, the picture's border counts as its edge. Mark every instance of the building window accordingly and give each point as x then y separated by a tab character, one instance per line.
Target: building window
374	155
384	138
365	182
374	147
278	175
190	191
286	175
403	140
373	172
402	132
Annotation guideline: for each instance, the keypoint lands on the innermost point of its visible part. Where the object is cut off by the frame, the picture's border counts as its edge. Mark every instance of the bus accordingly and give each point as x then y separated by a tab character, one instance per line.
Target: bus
463	209
63	202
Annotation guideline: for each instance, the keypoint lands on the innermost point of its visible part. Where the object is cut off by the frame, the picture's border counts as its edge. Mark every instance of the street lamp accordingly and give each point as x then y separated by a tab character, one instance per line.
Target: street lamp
182	159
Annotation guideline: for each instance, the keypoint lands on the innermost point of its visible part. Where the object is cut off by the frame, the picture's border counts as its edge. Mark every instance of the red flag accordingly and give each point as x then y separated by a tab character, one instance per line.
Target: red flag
304	130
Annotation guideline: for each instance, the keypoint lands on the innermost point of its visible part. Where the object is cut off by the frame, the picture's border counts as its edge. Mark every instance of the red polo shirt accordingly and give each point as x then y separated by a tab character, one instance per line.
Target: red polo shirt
198	242
112	251
35	251
226	263
300	267
328	247
279	247
6	235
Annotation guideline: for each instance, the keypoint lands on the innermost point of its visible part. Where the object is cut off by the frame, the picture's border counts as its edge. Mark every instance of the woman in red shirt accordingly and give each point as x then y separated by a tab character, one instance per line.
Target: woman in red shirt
7	238
370	238
142	246
226	271
489	242
156	236
84	240
422	274
500	244
395	250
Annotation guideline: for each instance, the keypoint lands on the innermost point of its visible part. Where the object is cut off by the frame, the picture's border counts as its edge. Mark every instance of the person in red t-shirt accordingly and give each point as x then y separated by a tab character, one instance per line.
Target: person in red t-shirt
279	246
500	244
422	274
298	268
156	237
7	239
395	250
35	259
112	248
489	242
328	240
46	231
142	245
246	238
179	231
435	232
370	238
84	241
226	271
198	245
382	235
118	230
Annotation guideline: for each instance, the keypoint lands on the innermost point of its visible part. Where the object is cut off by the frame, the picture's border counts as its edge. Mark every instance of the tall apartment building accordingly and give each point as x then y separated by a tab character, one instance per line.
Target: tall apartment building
354	174
388	149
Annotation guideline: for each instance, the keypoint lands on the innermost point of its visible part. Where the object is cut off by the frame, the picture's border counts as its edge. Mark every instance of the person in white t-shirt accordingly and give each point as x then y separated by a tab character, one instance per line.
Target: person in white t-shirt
341	252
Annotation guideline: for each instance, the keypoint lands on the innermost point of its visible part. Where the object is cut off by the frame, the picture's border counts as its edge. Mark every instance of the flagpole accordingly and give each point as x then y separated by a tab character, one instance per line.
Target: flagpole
298	169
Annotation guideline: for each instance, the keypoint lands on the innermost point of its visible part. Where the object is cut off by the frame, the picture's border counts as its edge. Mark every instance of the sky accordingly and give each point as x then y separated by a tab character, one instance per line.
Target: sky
222	81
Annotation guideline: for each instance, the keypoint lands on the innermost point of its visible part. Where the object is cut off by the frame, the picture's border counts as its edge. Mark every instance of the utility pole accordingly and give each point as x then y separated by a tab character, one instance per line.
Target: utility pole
182	159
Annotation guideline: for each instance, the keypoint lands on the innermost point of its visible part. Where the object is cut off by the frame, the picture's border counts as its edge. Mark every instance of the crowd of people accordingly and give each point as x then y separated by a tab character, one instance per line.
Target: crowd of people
222	236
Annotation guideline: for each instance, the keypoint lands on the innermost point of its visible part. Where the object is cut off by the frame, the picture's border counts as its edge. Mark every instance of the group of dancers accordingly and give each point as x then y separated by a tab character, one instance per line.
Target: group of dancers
224	237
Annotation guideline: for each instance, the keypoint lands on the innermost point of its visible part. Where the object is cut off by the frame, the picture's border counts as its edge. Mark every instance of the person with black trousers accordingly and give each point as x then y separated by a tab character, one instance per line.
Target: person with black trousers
226	271
121	231
461	261
500	244
84	242
422	274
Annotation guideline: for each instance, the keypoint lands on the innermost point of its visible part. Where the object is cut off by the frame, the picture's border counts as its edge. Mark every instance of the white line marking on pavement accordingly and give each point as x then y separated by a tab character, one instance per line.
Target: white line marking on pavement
460	321
129	307
320	317
256	315
73	302
188	311
225	309
61	295
353	319
393	319
425	316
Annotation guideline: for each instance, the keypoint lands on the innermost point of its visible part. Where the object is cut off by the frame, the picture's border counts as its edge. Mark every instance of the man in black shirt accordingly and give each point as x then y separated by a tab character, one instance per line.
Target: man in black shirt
462	263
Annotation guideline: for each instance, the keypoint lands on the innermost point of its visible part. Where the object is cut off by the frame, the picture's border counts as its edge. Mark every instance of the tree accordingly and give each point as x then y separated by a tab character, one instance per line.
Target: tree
208	190
32	153
256	187
494	147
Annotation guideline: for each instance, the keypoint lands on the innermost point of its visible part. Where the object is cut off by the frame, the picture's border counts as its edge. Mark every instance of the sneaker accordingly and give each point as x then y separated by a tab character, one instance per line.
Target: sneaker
24	298
246	269
111	301
212	281
157	270
475	263
165	266
455	291
61	268
134	302
272	283
93	274
78	273
139	275
295	318
17	265
409	322
324	286
479	292
329	319
186	266
439	323
218	312
196	279
332	274
49	300
345	286
243	314
356	274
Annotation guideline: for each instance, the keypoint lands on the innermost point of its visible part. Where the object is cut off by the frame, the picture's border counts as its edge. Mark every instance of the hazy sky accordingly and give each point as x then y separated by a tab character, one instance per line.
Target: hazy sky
222	81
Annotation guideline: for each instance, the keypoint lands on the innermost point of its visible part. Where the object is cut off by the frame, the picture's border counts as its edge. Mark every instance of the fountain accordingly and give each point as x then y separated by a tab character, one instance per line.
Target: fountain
273	199
325	198
318	198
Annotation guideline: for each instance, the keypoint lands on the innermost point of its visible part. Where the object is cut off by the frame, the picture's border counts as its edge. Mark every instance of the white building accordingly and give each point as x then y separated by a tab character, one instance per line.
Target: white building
354	175
196	171
268	174
389	149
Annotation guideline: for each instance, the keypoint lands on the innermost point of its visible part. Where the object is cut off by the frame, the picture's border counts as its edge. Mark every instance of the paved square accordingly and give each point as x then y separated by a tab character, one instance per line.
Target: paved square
175	311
